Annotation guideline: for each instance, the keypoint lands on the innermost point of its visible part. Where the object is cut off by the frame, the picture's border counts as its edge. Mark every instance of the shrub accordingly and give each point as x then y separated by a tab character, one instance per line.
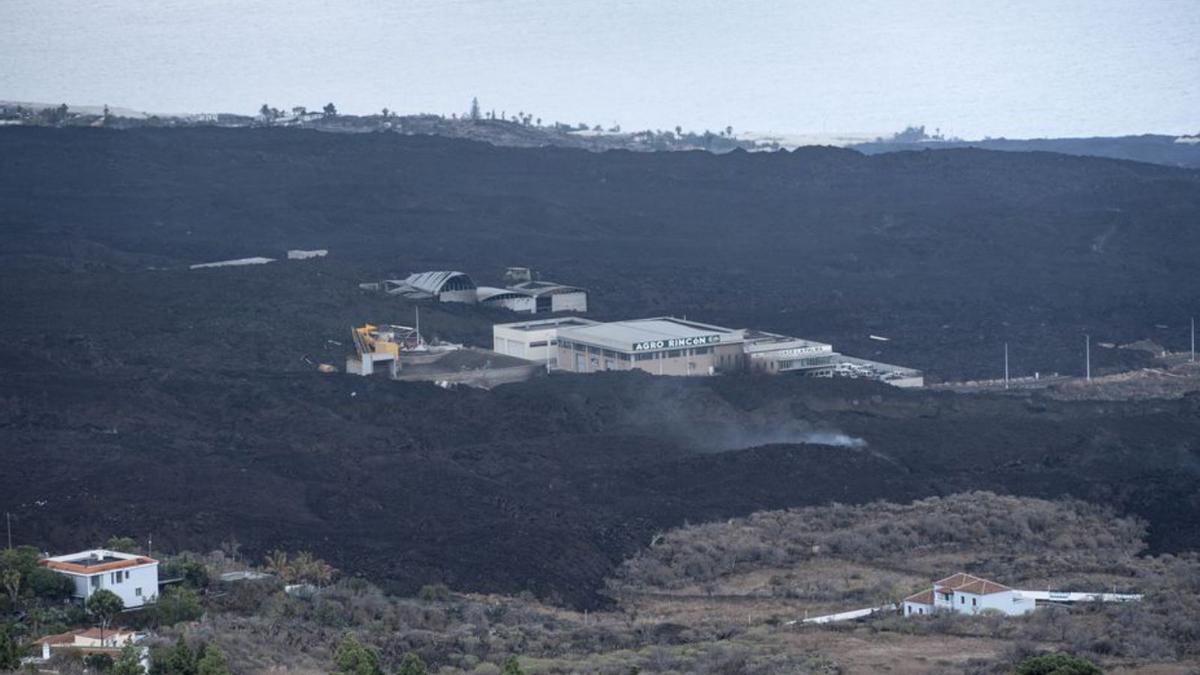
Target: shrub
1057	664
434	593
512	667
192	571
99	662
212	663
177	604
354	658
412	665
10	656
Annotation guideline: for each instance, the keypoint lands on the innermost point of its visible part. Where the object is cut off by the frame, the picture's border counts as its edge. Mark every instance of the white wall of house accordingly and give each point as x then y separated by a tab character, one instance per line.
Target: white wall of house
136	586
1011	603
916	608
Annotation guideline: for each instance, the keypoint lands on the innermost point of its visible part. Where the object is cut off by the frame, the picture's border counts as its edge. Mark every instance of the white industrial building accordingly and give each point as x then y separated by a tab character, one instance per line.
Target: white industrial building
968	594
134	578
771	353
535	340
530	297
661	345
552	297
504	298
670	346
443	286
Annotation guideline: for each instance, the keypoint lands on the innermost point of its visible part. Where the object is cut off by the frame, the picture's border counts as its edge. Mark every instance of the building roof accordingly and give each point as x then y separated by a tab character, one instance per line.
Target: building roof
967	583
432	282
651	334
95	561
493	294
925	597
113	635
547	324
544	288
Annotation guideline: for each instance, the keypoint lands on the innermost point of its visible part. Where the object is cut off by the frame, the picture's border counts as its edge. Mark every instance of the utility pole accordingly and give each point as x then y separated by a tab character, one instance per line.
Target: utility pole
1006	365
8	524
1087	345
1193	339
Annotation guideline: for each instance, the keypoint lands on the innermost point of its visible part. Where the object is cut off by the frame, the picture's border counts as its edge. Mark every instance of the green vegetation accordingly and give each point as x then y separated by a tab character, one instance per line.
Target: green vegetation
300	568
180	659
186	567
434	593
412	665
711	598
103	605
352	658
128	662
176	604
121	544
212	662
27	584
1057	664
10	655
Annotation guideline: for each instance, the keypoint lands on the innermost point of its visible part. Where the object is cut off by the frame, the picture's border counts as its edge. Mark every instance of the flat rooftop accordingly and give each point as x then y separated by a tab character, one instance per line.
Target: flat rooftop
95	561
543	324
652	334
763	338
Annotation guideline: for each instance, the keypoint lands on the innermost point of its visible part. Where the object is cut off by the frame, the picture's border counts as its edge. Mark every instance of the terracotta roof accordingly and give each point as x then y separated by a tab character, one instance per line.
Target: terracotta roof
64	566
90	633
922	598
966	583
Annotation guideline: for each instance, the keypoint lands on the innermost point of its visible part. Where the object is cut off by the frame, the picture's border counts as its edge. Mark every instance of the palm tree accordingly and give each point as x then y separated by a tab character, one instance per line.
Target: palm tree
302	565
277	563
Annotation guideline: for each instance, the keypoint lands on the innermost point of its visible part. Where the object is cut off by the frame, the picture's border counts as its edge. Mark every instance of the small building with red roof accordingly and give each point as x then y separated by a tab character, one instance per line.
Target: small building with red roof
968	594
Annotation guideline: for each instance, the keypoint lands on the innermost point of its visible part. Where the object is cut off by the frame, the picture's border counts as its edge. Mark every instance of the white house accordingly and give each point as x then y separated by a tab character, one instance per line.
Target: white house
968	594
134	578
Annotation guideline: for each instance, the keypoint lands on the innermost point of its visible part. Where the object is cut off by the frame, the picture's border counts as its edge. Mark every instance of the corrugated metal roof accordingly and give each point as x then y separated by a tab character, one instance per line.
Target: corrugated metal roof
432	282
485	293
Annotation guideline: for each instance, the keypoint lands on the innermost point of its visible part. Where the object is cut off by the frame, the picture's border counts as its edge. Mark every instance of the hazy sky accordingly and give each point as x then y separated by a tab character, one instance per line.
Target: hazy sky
971	67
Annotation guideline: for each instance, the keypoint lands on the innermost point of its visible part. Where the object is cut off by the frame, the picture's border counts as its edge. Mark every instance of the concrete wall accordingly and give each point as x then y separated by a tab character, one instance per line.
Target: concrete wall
531	345
569	302
527	304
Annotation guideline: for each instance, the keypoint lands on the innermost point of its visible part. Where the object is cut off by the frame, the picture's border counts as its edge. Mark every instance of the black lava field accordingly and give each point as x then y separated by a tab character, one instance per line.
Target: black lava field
140	397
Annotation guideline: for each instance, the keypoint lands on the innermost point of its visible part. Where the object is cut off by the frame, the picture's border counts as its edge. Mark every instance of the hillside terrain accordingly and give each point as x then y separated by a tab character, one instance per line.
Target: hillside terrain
728	597
144	398
1153	148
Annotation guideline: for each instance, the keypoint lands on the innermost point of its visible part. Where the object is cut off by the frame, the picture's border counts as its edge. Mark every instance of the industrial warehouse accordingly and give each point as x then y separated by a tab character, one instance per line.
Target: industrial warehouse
522	293
658	345
671	346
